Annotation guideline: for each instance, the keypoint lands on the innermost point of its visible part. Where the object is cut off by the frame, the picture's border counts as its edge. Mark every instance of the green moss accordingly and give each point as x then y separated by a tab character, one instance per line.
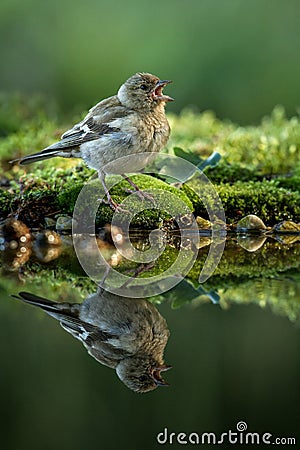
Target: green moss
150	217
264	199
244	179
5	203
271	147
291	182
230	173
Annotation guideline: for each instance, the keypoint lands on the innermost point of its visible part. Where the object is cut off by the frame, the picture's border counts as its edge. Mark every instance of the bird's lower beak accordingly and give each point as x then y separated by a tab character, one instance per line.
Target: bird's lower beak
158	91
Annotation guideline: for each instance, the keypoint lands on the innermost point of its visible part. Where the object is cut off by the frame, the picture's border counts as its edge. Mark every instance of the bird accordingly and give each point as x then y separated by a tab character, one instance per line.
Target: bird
126	334
132	122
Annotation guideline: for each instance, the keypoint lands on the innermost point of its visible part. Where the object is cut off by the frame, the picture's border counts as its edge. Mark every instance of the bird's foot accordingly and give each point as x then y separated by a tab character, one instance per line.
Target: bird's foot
144	267
136	190
114	205
141	194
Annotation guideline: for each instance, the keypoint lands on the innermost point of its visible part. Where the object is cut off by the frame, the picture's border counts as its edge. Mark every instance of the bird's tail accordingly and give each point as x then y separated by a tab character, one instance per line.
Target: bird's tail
35	157
54	309
68	315
35	300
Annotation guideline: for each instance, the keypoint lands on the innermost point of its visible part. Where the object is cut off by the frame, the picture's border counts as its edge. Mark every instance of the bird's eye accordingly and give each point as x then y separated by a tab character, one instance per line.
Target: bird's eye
144	87
143	378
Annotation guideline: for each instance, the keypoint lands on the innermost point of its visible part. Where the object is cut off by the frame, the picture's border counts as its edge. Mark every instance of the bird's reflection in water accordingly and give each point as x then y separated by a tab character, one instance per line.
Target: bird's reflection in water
126	334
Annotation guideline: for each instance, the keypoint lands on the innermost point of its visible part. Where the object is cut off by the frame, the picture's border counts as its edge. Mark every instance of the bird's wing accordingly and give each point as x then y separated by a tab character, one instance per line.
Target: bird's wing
96	122
106	354
96	341
89	130
92	127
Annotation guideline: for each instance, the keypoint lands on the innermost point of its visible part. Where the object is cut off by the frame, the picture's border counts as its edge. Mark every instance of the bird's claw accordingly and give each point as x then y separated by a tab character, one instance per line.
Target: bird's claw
115	206
141	194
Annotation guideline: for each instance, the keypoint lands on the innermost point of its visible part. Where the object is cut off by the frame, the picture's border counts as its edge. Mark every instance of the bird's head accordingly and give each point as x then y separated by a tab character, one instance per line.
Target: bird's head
143	91
141	374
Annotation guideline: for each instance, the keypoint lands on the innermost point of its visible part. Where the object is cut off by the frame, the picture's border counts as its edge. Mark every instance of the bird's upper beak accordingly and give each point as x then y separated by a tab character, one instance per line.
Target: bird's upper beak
157	94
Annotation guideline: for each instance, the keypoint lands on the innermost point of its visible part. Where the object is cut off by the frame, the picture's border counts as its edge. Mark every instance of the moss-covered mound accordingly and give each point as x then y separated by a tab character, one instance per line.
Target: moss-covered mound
259	171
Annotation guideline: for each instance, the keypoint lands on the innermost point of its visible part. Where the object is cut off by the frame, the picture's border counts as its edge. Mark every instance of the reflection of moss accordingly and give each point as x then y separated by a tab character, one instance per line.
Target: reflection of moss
234	276
237	264
267	277
281	294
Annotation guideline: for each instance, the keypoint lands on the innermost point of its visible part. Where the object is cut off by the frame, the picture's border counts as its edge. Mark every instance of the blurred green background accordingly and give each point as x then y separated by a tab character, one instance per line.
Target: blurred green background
236	57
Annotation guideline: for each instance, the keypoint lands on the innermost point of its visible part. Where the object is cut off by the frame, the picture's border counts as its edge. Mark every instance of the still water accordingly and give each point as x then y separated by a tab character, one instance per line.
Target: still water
232	342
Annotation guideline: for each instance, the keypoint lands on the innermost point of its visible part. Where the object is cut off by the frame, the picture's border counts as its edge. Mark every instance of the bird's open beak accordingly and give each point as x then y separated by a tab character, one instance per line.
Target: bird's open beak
155	373
157	94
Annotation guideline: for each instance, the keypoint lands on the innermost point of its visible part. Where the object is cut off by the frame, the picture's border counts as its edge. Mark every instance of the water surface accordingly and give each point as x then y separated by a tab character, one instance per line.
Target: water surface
233	346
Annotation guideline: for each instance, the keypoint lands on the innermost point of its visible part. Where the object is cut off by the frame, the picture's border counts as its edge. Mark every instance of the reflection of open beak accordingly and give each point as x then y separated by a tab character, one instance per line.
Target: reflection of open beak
157	94
155	373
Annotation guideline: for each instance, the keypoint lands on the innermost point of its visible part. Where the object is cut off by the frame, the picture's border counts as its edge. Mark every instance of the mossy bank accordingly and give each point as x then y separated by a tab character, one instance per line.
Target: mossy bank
259	170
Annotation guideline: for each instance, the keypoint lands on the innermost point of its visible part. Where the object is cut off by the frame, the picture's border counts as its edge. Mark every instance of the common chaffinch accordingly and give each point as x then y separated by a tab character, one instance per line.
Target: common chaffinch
127	334
129	123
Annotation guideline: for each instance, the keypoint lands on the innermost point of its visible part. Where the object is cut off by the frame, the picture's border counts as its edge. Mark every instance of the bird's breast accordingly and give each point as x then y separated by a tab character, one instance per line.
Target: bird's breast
160	138
135	136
